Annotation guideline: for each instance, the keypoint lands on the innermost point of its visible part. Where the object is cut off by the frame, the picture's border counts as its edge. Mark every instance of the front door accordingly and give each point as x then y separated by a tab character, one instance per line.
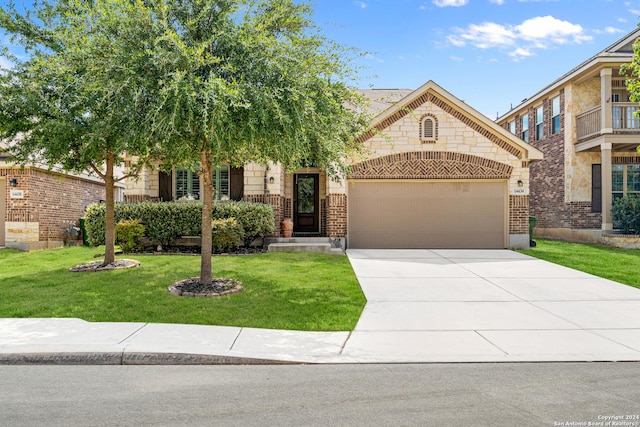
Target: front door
305	203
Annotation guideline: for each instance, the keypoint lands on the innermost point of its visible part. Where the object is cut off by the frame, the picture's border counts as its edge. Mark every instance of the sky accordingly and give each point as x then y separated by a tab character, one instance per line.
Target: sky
491	54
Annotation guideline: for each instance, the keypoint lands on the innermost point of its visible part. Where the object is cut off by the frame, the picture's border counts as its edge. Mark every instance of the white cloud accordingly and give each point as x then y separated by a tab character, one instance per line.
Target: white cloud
456	58
609	30
498	2
520	53
546	29
454	3
541	32
360	4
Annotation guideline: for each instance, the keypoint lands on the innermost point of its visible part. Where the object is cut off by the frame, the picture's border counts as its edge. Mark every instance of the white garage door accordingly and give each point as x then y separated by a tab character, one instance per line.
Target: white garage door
419	214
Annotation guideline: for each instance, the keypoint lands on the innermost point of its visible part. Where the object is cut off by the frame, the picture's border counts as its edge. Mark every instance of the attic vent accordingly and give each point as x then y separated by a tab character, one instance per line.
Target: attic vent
428	128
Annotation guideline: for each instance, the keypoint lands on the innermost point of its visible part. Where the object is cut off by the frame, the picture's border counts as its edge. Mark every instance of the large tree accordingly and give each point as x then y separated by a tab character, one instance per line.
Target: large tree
78	101
251	81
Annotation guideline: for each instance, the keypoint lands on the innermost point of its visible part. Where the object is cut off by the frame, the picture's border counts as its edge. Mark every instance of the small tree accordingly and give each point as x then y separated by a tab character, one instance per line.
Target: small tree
78	102
250	81
633	83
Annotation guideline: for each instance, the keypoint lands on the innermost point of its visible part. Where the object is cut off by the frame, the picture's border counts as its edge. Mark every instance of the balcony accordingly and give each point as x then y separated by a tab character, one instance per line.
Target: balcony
624	121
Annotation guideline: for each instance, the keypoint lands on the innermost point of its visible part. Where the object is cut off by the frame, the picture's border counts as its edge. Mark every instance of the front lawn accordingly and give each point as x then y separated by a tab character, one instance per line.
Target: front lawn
620	265
296	291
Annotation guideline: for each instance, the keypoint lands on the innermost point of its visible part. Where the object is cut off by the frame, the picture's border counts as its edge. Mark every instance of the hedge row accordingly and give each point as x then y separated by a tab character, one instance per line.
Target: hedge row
166	222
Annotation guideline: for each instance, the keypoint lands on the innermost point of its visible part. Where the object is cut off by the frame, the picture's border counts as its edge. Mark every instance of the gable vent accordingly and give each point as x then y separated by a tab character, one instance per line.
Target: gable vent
428	129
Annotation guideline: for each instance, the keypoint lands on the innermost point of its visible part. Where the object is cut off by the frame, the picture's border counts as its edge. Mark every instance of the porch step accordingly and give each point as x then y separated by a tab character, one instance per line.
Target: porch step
300	247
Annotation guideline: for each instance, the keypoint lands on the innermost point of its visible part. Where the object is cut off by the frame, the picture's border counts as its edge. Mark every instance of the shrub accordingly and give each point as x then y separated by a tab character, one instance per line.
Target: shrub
94	223
128	234
626	214
168	221
227	233
257	219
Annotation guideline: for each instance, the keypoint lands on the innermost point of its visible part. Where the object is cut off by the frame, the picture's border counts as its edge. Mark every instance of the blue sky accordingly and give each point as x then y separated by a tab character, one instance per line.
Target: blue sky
489	53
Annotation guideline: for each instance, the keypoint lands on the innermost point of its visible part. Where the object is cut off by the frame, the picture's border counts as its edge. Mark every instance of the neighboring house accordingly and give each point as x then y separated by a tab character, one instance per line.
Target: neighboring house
438	175
588	131
36	204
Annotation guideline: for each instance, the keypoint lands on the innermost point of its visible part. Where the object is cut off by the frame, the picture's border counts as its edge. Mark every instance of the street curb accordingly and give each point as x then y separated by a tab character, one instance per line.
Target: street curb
131	359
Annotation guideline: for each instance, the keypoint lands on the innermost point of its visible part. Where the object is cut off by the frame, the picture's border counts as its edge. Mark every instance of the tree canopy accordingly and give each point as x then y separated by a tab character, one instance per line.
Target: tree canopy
251	81
195	83
79	100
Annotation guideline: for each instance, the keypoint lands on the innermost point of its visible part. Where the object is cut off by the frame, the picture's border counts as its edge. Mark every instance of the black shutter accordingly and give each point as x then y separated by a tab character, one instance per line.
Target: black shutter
236	182
596	188
165	186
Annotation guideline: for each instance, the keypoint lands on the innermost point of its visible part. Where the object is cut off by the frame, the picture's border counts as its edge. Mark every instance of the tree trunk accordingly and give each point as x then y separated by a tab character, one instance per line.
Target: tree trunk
206	172
109	235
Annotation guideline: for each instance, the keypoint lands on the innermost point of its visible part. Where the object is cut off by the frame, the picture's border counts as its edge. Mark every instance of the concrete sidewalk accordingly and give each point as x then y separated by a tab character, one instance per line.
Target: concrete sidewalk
423	306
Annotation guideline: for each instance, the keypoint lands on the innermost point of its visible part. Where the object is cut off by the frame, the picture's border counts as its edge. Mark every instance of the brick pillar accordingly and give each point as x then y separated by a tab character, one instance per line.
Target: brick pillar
337	215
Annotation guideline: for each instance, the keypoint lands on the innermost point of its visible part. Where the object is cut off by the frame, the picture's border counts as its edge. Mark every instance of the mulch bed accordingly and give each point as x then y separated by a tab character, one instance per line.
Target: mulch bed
195	250
193	288
95	266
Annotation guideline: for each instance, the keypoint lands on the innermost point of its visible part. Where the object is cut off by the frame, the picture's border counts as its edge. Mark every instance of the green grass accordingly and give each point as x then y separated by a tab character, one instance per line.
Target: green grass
296	291
620	265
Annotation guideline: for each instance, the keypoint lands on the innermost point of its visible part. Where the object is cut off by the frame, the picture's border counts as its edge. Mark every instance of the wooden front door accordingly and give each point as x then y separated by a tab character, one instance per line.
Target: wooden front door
306	206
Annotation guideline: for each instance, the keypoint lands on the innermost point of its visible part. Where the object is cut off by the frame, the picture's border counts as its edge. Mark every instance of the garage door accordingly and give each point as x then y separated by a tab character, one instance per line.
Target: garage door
418	214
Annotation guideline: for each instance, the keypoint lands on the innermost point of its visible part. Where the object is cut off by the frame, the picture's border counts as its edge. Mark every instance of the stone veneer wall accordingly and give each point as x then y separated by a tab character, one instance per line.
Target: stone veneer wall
49	199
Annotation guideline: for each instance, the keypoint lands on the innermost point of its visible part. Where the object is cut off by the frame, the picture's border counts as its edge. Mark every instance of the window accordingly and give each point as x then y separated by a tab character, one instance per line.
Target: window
188	183
539	123
625	180
512	126
525	128
555	115
428	129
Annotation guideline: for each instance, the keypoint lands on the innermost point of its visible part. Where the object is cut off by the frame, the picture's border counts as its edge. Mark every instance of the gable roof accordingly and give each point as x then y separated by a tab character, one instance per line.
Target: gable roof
381	99
432	92
617	53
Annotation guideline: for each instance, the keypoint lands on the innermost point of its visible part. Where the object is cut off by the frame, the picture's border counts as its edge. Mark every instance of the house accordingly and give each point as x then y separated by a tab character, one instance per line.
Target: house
587	129
36	204
438	175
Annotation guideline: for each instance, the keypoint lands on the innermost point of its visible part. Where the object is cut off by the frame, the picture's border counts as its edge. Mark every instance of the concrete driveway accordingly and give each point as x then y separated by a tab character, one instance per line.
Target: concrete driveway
488	305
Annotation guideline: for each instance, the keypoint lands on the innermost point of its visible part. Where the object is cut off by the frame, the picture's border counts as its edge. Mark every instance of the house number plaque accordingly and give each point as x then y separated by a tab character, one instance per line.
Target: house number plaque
16	194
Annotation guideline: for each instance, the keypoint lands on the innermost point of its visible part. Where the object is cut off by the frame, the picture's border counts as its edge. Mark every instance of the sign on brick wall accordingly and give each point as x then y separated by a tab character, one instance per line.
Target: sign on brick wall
22	231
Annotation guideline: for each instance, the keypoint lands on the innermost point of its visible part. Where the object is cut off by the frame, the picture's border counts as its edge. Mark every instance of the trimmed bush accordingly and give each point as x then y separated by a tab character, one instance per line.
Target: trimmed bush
227	233
257	219
168	221
128	234
626	214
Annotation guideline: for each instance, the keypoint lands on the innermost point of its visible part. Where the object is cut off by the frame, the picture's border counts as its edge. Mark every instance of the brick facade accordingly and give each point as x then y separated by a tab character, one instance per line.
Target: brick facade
518	214
50	199
547	178
582	217
336	215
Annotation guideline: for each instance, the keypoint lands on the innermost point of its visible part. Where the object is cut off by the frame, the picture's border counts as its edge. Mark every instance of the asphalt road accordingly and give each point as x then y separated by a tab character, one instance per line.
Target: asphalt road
543	394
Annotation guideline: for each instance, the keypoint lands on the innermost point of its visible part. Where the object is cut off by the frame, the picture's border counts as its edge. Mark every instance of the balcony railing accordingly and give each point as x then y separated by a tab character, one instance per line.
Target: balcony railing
623	116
